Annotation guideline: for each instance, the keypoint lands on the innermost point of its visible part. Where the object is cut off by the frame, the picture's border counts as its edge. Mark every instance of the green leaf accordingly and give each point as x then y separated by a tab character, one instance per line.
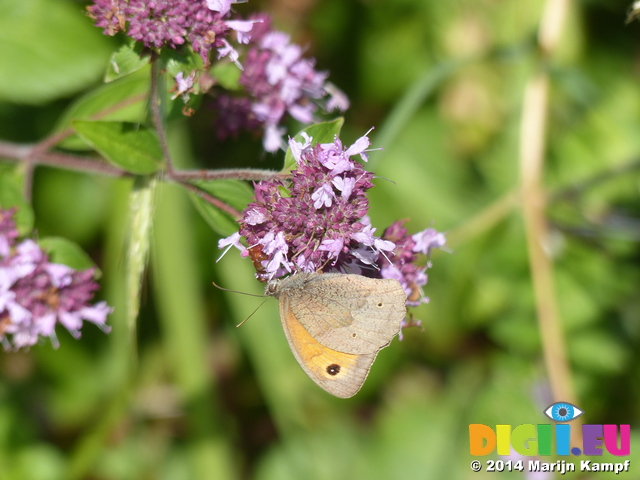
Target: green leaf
131	147
49	50
227	75
139	239
126	60
11	196
39	461
125	100
234	193
66	252
320	133
599	351
177	61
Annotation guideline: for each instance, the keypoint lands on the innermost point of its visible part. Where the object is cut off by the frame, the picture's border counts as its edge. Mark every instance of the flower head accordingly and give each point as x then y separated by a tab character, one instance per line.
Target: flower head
318	220
280	81
183	85
401	262
109	15
234	116
172	23
36	294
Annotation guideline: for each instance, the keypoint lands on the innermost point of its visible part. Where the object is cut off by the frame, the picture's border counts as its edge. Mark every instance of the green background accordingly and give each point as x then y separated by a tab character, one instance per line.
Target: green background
443	83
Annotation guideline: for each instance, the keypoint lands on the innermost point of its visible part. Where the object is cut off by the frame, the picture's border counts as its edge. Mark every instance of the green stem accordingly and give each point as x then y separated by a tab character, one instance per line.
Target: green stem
157	118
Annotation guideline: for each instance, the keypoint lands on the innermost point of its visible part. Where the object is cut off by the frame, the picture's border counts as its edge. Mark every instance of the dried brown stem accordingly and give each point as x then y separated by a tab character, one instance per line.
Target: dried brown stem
533	143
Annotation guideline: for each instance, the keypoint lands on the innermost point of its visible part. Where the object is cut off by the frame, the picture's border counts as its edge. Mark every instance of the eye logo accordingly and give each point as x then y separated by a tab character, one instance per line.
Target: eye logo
562	412
529	440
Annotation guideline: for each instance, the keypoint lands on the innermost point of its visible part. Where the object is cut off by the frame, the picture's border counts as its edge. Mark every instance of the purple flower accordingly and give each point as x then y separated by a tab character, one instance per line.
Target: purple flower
36	294
8	231
108	15
232	241
323	196
242	29
173	23
183	85
157	23
317	221
279	81
401	262
314	220
221	6
234	116
427	240
337	99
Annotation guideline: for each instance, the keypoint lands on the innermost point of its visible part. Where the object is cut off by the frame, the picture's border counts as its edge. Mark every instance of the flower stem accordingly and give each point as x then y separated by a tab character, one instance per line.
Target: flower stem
228	174
212	200
156	112
65	161
532	154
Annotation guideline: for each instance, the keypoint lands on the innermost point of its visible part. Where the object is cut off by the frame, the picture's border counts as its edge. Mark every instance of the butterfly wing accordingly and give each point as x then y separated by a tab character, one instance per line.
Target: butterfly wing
349	313
341	374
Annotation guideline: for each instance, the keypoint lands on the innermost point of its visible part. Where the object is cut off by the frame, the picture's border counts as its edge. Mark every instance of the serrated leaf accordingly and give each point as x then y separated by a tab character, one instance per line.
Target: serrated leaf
125	100
320	133
11	196
234	193
66	252
48	49
126	60
132	147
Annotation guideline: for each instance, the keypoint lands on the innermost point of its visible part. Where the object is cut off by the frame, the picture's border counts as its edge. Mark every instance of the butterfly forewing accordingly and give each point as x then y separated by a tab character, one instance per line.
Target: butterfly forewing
350	313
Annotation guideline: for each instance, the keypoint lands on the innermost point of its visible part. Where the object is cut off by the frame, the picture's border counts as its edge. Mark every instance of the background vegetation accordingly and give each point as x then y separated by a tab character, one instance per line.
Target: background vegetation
444	84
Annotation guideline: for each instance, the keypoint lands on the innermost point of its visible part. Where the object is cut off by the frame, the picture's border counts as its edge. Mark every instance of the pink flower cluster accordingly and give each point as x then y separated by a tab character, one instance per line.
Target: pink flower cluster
317	221
278	80
36	295
204	24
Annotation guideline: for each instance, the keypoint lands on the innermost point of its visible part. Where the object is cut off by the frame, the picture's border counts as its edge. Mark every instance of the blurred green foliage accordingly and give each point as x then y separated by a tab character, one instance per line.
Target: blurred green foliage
442	82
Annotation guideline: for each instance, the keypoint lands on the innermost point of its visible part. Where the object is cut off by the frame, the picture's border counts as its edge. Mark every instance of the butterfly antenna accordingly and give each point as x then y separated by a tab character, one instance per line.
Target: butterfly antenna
242	293
235	291
242	322
384	178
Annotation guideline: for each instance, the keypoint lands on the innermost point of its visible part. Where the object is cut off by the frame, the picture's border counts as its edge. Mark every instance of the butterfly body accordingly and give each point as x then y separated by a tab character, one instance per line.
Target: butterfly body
337	323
